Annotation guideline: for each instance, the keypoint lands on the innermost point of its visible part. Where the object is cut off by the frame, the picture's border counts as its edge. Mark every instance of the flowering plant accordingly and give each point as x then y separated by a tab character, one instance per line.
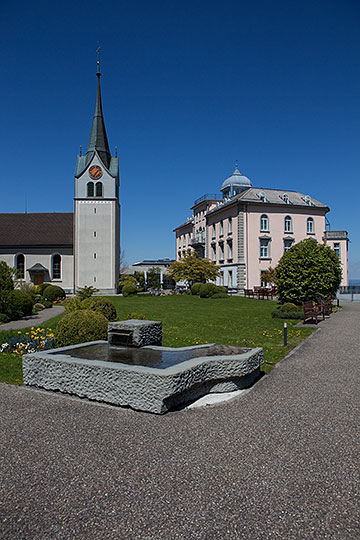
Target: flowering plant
28	342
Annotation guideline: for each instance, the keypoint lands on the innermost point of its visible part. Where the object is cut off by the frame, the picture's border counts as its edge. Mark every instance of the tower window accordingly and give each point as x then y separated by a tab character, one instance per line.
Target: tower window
56	266
20	265
99	189
94	255
90	189
310	229
337	248
264	223
94	210
94	234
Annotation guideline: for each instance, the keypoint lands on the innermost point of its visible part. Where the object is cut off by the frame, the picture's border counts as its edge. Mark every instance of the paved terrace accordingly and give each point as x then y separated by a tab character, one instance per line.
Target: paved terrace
278	462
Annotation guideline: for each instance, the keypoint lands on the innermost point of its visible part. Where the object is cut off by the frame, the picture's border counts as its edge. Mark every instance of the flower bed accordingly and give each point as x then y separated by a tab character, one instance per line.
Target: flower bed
37	339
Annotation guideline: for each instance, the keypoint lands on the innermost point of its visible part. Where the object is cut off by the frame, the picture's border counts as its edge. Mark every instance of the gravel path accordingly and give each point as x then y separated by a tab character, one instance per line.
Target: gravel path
33	320
279	462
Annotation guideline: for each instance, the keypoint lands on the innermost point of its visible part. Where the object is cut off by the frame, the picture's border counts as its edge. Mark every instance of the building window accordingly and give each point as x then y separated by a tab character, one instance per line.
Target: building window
264	223
222	278
310	226
230	225
221	252
94	255
230	278
94	234
337	248
94	279
213	251
90	189
288	224
264	248
287	245
230	251
94	210
213	233
20	266
99	189
221	228
263	282
56	266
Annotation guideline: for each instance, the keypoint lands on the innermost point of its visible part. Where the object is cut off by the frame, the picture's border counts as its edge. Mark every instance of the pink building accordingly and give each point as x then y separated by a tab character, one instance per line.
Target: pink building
248	229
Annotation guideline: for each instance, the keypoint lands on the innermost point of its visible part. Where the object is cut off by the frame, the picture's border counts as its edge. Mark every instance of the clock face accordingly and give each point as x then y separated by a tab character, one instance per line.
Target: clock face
95	172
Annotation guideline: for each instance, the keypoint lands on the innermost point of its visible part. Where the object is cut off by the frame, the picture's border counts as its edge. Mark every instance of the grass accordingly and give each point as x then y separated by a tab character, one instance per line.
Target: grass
190	320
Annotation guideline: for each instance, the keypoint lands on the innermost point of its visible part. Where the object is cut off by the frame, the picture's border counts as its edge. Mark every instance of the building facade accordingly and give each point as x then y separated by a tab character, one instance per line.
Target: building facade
73	249
246	230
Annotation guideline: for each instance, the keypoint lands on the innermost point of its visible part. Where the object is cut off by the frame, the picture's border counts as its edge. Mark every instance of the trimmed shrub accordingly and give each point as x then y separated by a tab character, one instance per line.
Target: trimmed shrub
128	289
80	327
19	304
73	304
86	291
41	288
4	318
195	289
219	295
53	292
277	314
288	308
207	290
221	289
100	305
135	315
46	303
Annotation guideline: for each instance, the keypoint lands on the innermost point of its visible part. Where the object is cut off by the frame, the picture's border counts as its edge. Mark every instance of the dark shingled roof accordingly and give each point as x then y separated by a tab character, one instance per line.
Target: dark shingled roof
36	229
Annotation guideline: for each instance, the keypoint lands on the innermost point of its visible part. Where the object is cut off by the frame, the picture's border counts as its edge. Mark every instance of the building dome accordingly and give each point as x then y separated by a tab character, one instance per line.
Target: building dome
236	180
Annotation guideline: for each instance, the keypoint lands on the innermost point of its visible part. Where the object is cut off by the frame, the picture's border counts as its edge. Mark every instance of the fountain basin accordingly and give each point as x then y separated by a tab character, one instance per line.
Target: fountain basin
143	387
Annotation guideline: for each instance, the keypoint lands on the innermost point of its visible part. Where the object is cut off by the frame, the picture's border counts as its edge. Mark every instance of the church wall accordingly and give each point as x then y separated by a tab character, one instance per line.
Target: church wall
44	256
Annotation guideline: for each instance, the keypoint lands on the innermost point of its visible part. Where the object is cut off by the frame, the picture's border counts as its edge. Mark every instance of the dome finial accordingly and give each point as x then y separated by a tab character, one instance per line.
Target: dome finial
236	166
98	60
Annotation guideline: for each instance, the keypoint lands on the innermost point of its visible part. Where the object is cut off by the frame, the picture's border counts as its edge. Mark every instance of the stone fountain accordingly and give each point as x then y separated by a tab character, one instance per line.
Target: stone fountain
132	369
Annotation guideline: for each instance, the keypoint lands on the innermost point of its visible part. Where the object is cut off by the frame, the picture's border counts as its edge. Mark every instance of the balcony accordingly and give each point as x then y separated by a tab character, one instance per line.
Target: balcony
197	239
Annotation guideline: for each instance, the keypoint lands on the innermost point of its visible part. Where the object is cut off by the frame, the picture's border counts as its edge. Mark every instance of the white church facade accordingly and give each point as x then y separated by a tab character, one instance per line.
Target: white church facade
76	249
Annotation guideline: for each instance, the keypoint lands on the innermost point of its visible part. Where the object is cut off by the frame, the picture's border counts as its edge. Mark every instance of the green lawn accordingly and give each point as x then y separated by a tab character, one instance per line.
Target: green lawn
190	320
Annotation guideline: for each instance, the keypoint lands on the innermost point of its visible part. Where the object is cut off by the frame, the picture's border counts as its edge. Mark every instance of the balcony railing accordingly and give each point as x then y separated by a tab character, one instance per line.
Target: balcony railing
198	238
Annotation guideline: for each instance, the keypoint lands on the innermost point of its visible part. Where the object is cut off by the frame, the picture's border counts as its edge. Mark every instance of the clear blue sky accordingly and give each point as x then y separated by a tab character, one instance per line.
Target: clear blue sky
188	88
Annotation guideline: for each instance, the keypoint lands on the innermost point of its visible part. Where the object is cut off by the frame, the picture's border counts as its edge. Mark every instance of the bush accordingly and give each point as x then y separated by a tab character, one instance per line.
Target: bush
46	303
6	283
128	289
219	295
207	290
221	289
195	289
19	304
100	305
29	289
53	292
288	307
80	327
86	292
41	288
4	318
72	304
135	315
307	269
277	314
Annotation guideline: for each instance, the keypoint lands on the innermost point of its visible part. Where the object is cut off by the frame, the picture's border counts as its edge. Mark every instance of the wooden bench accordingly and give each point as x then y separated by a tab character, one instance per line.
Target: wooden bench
249	293
312	312
325	305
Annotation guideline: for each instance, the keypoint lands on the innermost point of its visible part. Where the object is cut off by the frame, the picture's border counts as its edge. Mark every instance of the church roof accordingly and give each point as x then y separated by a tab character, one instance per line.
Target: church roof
45	229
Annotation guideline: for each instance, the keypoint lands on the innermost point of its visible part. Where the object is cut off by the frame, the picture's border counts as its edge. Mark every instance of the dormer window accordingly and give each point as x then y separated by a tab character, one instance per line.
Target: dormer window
262	196
286	198
90	189
307	200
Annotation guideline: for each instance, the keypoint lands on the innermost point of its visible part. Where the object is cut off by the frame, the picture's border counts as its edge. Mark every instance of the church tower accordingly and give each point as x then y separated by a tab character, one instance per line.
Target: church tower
97	210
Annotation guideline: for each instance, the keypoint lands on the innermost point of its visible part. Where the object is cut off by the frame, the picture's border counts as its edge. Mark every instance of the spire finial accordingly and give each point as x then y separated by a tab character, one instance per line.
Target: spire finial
80	149
116	151
98	60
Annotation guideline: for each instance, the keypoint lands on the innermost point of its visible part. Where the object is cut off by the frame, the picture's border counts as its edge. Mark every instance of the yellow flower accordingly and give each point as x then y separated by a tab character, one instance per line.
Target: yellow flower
19	332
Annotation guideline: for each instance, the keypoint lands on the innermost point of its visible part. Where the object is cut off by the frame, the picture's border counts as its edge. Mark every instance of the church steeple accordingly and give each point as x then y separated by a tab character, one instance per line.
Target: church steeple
98	139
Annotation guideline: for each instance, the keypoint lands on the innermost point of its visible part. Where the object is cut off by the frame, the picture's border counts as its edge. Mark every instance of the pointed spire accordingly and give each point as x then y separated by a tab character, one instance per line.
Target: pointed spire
236	170
98	139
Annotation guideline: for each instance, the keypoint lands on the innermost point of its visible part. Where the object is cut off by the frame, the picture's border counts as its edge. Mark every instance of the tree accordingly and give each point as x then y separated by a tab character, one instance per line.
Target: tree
192	268
269	276
6	283
153	277
307	270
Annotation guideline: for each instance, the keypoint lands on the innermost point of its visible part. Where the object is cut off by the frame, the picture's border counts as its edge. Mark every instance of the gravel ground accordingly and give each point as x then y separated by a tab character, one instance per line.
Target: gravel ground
33	320
280	461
